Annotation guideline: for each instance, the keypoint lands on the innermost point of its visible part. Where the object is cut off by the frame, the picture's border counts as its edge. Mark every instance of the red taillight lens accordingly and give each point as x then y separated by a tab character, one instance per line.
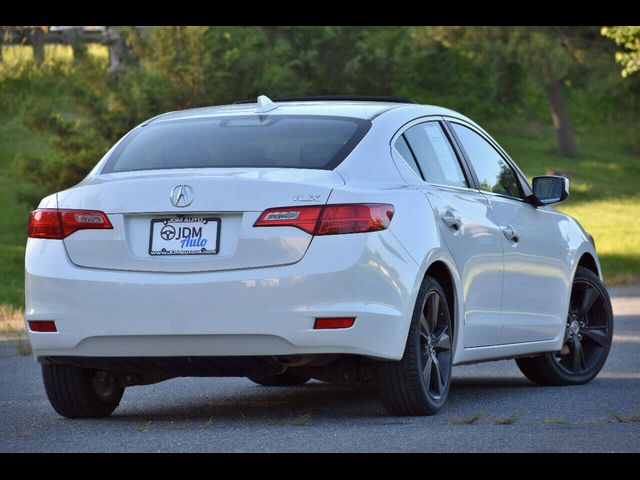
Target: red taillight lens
58	224
45	223
331	323
42	326
304	218
354	218
330	219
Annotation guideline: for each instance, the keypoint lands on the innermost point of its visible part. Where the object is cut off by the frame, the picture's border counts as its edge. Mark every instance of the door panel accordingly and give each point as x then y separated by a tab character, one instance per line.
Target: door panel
534	275
534	278
468	230
476	246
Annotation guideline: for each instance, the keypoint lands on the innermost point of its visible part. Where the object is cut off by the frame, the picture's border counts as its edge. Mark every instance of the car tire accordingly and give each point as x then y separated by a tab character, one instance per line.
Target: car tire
587	340
418	384
76	392
282	380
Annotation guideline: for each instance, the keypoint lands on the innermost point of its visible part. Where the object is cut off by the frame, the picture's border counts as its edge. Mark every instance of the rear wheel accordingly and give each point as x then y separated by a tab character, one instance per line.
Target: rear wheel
80	392
587	338
418	384
282	380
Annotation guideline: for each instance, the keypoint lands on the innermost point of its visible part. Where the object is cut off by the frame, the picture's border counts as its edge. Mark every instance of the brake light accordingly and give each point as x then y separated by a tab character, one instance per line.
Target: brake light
57	224
354	218
330	219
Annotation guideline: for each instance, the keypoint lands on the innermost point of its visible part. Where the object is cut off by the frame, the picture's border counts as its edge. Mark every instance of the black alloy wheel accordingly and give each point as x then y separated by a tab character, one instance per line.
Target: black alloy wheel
587	337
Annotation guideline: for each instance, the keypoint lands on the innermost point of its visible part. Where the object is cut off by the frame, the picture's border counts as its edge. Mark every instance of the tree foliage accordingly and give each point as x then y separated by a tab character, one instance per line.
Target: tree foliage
629	39
485	72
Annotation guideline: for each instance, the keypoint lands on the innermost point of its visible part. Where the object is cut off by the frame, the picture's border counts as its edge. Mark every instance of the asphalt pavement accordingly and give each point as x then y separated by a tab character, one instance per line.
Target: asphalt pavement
491	408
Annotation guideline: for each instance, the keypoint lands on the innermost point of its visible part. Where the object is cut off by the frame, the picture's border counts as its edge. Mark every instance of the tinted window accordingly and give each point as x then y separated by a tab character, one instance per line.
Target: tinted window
437	160
319	142
403	148
494	174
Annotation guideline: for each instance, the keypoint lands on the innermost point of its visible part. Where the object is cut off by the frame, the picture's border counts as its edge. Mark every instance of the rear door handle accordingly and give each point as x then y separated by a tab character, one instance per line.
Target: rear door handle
511	233
451	220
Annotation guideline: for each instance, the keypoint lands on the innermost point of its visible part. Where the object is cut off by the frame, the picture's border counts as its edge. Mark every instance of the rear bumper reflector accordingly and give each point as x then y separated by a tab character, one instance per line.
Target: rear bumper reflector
332	323
42	326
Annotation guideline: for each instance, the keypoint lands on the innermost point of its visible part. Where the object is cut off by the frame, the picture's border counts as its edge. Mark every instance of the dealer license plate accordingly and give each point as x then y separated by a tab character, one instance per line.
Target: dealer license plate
184	236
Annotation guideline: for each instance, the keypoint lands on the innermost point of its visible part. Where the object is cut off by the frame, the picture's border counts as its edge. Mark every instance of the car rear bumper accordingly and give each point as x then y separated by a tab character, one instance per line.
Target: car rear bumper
250	312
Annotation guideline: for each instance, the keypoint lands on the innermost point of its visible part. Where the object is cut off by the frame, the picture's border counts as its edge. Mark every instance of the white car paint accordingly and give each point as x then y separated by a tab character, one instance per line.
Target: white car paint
261	294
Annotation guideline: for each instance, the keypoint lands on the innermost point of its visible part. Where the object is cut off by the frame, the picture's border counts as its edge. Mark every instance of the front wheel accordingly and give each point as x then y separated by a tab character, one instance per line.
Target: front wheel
587	338
418	384
76	392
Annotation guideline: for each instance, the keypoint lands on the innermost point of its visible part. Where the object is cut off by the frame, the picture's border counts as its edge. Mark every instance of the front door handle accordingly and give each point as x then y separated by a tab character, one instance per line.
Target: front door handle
451	220
511	233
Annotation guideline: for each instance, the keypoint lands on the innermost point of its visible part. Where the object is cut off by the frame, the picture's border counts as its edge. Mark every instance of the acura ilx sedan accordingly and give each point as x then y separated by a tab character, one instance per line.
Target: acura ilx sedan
343	239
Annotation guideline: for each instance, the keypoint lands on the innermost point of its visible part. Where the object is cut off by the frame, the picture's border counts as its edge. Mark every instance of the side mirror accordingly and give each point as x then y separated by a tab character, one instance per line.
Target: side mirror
550	189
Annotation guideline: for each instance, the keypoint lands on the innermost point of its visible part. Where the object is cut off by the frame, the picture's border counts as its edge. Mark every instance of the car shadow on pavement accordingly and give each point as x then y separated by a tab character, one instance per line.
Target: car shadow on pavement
292	404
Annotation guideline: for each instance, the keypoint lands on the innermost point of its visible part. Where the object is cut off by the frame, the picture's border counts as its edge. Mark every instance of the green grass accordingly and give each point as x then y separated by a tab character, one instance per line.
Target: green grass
627	419
16	57
471	420
505	420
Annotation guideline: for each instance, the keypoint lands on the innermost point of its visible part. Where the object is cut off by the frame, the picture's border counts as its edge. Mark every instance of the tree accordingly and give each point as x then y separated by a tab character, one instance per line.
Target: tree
37	37
629	39
544	51
118	50
73	36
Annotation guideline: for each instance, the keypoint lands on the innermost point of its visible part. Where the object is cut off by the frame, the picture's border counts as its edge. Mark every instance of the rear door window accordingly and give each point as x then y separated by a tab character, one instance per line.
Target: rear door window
435	155
294	141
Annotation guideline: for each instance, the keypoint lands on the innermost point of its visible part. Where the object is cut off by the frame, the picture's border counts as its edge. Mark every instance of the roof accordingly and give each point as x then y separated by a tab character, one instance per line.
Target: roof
351	108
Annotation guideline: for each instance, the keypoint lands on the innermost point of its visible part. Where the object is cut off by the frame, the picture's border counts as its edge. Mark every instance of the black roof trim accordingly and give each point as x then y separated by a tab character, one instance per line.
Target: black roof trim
320	98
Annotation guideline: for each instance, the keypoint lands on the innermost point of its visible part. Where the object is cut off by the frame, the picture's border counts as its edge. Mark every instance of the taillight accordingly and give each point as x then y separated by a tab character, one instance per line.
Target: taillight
354	218
304	218
330	219
60	223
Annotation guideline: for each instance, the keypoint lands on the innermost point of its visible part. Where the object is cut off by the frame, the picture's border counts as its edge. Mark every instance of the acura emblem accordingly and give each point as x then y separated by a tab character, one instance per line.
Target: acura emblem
181	196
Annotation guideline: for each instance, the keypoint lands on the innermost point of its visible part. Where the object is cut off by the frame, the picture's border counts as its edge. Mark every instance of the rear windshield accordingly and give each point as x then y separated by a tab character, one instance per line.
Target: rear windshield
319	142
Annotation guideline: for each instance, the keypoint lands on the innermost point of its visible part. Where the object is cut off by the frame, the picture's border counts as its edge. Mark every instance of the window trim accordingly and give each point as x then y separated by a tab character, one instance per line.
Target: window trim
461	161
499	151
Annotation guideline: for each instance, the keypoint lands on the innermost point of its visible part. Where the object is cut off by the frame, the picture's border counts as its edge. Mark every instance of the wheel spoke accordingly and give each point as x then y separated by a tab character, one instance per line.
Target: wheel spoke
588	298
597	334
439	377
433	311
426	371
425	330
578	356
443	342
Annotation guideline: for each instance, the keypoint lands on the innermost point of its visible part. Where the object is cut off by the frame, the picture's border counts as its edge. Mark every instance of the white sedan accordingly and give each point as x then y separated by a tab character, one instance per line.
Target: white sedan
346	239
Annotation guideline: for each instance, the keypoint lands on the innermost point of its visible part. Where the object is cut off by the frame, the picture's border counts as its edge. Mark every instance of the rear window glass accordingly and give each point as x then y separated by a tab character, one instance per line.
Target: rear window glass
318	142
